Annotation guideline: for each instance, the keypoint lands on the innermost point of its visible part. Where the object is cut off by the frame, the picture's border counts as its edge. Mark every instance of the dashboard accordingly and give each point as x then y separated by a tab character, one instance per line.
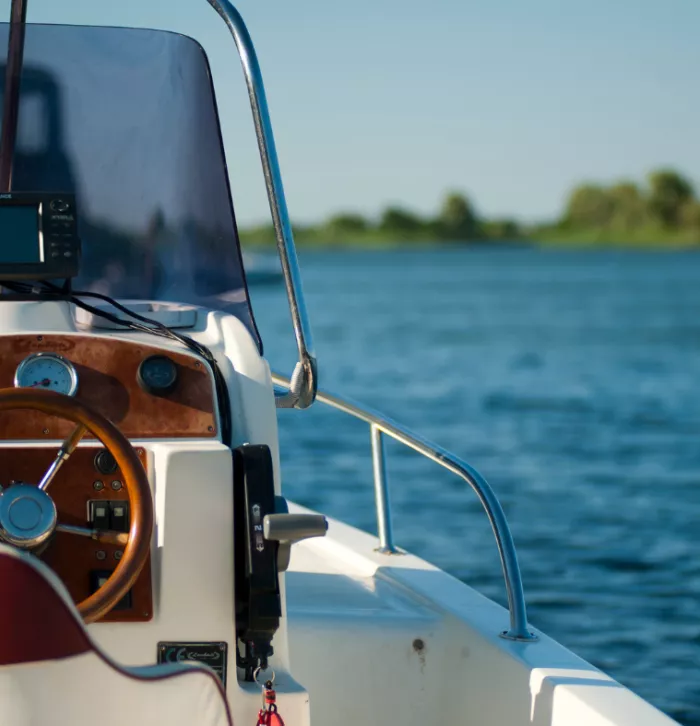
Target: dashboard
147	392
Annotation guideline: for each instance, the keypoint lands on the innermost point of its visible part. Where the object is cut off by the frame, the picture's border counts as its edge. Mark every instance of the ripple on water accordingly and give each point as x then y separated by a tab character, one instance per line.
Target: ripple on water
572	381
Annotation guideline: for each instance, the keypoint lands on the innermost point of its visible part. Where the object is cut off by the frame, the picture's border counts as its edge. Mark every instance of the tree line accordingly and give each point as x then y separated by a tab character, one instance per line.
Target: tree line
664	210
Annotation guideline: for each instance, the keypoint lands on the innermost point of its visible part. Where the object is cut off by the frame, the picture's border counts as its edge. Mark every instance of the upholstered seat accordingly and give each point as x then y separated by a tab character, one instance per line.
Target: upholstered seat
52	674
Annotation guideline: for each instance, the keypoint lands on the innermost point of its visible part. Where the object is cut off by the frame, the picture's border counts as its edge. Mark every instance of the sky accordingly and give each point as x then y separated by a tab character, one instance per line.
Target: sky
378	102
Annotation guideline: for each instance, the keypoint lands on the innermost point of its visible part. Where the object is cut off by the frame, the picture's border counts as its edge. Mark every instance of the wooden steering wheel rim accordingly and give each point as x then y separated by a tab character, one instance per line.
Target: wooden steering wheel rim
135	480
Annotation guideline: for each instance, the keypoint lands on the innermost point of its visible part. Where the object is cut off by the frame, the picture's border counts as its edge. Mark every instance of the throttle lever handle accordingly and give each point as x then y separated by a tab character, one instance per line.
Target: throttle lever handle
287	529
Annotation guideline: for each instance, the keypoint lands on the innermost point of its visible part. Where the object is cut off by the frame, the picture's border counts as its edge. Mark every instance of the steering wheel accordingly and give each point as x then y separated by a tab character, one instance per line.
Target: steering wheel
28	516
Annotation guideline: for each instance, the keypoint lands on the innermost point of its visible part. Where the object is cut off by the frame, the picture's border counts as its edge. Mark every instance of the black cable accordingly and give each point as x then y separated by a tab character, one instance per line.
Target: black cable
145	325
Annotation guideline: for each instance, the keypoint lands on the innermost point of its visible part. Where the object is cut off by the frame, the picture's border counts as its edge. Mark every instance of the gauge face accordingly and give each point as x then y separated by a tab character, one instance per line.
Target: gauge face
49	372
157	375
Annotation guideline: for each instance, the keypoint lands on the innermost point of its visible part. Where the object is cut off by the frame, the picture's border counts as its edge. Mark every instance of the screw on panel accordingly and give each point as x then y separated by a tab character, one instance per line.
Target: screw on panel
118	555
100	554
46	431
116	485
39	337
98	486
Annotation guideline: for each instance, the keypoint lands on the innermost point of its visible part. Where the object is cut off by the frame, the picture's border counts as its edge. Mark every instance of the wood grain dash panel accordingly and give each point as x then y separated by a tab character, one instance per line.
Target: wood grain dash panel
107	369
72	557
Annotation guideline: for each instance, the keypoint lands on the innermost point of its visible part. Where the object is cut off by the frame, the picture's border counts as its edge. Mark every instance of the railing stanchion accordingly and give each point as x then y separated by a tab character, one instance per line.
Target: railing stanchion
382	426
381	493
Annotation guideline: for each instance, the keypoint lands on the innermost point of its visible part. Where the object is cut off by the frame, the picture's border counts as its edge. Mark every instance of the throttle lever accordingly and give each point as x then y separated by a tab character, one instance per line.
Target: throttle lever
288	529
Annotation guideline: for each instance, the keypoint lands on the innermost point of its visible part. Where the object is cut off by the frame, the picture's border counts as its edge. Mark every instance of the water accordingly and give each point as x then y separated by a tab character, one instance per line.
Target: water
572	381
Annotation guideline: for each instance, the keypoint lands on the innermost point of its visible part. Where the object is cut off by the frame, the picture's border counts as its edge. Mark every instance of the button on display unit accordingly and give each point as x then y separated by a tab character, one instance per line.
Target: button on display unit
38	236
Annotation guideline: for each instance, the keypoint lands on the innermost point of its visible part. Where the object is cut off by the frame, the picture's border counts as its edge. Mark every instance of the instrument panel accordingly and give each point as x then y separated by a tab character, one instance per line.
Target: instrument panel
145	391
88	486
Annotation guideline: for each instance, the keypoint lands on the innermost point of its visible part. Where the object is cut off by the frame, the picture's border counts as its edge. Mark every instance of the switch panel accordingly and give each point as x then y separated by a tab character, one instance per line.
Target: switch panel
106	514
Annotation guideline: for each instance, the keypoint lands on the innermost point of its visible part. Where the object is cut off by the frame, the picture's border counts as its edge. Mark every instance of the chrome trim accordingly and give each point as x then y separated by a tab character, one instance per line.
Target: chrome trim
99	535
499	524
301	393
51	472
62	456
381	493
26	529
63	361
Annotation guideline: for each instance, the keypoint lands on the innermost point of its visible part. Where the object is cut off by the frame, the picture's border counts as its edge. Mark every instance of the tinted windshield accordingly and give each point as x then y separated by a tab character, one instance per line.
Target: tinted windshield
126	119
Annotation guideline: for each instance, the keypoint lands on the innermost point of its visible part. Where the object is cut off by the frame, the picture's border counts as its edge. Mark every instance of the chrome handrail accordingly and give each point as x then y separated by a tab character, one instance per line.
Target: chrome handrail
302	391
379	425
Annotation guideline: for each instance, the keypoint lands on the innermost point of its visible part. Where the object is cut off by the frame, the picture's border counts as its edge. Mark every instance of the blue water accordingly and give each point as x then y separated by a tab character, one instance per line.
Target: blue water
572	381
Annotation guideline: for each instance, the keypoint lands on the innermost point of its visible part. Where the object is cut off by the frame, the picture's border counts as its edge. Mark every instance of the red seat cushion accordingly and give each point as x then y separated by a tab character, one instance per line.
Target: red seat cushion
35	621
43	634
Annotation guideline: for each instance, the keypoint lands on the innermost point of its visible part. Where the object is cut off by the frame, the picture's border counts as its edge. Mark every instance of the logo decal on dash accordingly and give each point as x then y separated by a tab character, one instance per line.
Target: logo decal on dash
209	654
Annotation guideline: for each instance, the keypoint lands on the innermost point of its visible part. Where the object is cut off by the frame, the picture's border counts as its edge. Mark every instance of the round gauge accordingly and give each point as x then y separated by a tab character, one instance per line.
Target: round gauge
157	375
48	371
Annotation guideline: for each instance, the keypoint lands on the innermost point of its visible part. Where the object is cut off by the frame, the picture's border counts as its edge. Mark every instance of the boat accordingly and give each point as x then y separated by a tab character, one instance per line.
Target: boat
152	571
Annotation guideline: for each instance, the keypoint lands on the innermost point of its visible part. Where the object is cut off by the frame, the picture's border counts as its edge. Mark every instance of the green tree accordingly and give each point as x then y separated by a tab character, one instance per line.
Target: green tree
589	205
628	206
398	221
347	223
457	219
669	192
502	229
344	226
690	217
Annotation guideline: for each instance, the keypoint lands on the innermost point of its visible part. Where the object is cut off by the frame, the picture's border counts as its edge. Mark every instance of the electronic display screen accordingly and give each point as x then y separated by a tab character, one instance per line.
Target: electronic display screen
19	235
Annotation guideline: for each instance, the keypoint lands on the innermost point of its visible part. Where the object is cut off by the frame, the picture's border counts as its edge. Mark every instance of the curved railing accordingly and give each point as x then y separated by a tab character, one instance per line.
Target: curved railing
302	390
380	425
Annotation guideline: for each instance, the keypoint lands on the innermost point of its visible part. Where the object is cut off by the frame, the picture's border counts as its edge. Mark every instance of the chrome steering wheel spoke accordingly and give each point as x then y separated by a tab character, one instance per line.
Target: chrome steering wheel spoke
105	536
63	454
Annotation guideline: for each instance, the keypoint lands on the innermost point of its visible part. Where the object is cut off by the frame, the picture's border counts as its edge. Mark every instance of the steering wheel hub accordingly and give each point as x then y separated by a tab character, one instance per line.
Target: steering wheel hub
28	516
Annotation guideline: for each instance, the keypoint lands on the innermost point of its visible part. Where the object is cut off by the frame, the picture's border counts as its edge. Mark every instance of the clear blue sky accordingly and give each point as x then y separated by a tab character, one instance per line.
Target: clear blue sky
395	101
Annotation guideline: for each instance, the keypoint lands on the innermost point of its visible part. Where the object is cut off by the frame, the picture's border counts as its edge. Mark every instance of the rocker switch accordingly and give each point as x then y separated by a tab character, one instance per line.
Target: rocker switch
120	516
98	515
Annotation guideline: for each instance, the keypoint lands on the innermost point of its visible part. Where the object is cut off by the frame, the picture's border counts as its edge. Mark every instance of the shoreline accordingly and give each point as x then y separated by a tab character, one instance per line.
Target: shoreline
578	244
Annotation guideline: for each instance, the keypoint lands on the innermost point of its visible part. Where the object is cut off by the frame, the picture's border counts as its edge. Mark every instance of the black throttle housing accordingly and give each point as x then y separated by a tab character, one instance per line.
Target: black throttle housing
263	535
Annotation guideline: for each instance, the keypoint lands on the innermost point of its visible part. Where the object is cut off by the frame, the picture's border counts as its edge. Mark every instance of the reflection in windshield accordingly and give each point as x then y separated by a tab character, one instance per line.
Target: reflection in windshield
126	119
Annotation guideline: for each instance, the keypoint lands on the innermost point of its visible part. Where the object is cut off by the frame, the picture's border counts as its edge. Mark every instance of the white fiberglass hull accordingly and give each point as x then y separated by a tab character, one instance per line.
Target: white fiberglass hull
379	639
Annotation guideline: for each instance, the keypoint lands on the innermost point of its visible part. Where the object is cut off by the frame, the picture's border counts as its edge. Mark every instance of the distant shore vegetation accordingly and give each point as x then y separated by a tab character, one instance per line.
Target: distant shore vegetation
663	212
